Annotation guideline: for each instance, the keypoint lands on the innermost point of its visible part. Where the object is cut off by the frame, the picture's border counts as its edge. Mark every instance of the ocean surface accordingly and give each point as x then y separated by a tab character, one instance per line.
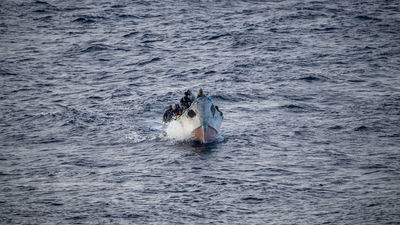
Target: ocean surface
310	92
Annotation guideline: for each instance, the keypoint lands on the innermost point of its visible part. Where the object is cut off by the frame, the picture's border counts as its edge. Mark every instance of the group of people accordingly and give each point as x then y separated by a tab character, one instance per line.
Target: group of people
175	111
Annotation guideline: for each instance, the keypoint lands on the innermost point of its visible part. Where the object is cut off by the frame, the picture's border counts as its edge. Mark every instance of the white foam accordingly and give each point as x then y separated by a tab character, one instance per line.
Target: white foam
152	124
176	132
135	137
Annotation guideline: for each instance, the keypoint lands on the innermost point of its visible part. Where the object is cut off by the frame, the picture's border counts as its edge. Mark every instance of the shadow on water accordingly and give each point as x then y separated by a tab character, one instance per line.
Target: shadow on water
196	147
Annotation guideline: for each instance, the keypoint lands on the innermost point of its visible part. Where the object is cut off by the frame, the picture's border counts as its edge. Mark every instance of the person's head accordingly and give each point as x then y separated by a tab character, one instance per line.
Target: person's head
201	91
186	93
170	107
189	92
173	107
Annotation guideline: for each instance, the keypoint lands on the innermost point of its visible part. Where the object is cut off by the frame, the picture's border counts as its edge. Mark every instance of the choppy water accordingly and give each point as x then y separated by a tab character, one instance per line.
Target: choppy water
310	92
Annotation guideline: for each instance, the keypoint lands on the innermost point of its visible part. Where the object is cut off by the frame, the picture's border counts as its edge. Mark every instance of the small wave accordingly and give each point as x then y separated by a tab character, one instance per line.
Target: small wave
44	19
88	18
150	41
310	78
91	163
373	166
6	72
252	200
131	34
176	76
150	37
329	28
118	6
361	128
209	72
40	11
95	98
44	8
363	17
41	2
127	16
83	20
299	108
103	76
220	97
337	127
325	29
68	9
356	81
149	61
194	71
215	37
291	106
49	140
96	48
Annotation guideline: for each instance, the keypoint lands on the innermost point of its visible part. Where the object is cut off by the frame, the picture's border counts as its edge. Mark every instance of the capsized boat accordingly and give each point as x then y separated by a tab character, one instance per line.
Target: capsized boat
202	120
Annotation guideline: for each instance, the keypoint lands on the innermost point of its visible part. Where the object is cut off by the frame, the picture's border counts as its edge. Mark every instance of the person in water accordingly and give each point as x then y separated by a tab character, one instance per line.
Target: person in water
186	101
168	114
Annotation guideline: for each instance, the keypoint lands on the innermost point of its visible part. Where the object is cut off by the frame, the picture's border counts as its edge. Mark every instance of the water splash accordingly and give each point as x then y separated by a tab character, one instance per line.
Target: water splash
176	132
135	137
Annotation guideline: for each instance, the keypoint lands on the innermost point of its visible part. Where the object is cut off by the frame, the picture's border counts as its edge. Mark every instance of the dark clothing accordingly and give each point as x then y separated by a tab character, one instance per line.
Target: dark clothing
219	111
186	102
167	115
200	94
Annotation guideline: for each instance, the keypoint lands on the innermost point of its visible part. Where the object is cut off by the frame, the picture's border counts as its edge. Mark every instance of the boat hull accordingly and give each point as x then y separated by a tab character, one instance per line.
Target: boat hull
204	134
202	120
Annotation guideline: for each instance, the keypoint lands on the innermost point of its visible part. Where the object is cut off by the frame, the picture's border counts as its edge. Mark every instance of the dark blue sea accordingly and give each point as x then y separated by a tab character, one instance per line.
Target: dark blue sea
310	92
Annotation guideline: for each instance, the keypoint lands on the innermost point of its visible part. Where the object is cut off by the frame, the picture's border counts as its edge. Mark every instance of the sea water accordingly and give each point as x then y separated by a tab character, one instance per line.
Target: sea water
309	91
